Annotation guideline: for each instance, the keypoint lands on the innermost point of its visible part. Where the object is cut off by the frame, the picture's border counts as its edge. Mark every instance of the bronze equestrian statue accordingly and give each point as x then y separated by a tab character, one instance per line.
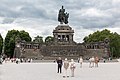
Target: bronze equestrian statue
63	16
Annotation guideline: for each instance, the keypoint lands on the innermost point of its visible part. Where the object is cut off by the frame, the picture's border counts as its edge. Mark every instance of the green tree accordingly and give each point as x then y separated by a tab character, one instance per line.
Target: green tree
101	35
115	45
9	44
97	36
38	39
49	39
1	44
25	36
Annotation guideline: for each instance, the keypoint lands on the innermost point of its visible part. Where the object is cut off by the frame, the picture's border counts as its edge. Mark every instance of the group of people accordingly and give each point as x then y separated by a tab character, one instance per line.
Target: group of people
66	65
16	60
93	61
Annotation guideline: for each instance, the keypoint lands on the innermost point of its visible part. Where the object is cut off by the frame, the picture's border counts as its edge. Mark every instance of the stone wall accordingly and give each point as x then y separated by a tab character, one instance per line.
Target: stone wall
62	46
94	52
62	50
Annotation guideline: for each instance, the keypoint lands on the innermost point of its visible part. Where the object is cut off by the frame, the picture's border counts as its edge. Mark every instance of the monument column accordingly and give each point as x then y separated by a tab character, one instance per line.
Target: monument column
66	38
56	38
61	38
71	38
63	31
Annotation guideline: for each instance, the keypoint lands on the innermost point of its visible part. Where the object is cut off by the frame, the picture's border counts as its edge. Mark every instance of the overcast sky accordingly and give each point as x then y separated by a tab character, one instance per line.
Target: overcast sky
39	17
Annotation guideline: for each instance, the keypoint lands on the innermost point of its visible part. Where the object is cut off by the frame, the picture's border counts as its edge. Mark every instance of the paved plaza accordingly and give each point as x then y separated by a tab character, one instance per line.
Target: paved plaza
48	71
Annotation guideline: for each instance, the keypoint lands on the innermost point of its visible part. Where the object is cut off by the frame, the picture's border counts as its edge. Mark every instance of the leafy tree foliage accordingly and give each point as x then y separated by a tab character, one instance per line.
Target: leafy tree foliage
97	36
49	39
38	39
101	35
9	44
1	44
115	45
25	36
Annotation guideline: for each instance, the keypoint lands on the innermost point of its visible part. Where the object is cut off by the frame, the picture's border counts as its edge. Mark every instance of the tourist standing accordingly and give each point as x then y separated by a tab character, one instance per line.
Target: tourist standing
31	60
81	61
59	62
66	65
72	67
91	61
28	60
17	60
78	60
96	61
21	60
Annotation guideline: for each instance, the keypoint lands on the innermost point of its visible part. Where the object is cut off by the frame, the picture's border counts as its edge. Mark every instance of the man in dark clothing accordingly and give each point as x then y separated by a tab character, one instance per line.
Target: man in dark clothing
59	62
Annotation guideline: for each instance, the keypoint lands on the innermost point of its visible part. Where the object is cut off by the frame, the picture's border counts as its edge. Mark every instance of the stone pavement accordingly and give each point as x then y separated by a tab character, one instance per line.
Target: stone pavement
48	71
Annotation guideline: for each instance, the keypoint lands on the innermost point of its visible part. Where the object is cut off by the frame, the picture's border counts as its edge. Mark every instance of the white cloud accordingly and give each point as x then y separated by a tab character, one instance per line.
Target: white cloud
39	17
93	12
81	33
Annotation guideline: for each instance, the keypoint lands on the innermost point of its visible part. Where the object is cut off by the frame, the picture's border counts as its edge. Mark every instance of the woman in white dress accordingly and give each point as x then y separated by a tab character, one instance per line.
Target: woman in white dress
72	67
66	65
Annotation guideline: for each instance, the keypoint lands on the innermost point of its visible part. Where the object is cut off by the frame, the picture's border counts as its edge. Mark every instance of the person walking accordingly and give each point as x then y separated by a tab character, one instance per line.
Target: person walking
59	62
66	65
72	67
81	61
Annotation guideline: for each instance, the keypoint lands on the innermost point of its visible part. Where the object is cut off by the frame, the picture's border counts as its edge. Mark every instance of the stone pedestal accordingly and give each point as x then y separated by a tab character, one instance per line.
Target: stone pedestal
63	34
